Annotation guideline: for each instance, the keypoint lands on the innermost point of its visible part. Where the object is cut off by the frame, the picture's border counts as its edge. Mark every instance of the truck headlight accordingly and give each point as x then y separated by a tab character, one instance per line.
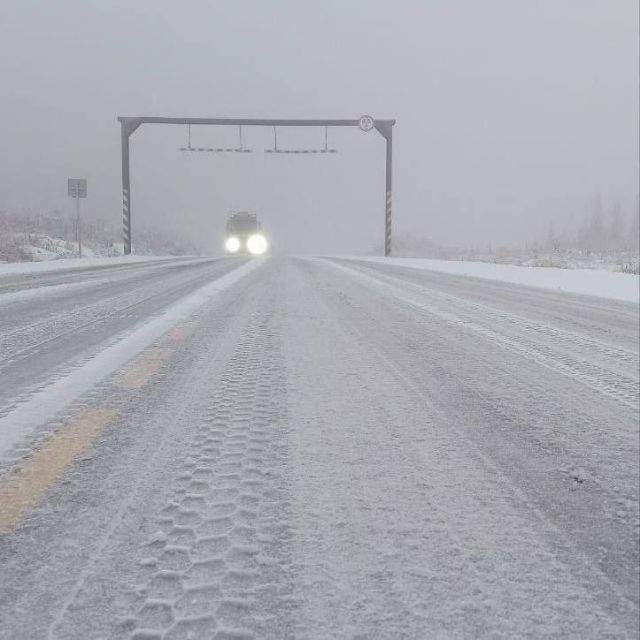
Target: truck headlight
257	244
232	244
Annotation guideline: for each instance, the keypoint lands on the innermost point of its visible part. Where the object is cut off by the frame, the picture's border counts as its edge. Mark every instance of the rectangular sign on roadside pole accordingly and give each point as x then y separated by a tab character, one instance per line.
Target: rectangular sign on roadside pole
77	188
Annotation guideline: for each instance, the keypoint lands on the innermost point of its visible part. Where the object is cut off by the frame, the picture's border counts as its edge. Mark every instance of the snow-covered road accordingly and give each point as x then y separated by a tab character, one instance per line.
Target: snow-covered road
310	449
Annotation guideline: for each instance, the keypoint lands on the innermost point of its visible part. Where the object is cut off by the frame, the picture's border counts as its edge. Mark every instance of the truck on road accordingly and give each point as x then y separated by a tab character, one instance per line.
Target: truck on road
244	234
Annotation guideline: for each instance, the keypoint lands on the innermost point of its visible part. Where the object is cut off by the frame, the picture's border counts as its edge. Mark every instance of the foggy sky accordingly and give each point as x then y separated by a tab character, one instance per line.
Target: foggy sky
510	113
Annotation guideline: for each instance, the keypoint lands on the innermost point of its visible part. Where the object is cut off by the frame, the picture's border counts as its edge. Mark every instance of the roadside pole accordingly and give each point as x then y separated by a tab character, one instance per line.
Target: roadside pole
77	188
78	232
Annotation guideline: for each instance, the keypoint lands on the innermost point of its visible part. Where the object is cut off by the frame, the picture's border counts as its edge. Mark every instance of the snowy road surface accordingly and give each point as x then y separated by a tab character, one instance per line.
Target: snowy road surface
314	449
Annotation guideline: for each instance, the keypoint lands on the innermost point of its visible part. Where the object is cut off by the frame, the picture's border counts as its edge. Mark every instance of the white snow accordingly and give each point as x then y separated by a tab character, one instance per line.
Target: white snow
44	404
18	268
27	295
603	284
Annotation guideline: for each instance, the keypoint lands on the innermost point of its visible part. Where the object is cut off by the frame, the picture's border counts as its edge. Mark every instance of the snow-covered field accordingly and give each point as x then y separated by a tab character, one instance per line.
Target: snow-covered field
592	282
22	247
37	246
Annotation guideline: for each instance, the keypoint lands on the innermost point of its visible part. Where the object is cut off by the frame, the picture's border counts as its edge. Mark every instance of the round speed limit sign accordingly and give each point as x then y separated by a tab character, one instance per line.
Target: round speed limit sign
365	123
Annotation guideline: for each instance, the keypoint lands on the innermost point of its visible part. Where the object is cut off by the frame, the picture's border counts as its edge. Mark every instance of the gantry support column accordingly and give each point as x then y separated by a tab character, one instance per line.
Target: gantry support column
126	193
386	129
127	127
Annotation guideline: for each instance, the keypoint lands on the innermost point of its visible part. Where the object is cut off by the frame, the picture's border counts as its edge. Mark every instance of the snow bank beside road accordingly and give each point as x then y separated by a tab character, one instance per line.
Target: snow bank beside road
18	268
591	282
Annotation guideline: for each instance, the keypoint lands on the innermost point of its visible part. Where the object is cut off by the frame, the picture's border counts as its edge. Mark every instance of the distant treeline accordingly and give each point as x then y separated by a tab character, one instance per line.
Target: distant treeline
600	231
603	237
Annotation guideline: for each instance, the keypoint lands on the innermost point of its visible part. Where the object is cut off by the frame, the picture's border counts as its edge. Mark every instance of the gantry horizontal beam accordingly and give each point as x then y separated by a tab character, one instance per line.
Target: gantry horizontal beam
257	122
131	123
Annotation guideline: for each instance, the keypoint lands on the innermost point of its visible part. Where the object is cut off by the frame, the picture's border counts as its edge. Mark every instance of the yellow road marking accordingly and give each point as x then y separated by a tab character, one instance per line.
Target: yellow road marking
181	332
24	488
138	372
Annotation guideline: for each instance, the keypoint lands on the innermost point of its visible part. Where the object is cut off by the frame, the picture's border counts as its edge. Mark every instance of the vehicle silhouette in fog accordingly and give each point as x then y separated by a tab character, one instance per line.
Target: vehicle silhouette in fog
244	234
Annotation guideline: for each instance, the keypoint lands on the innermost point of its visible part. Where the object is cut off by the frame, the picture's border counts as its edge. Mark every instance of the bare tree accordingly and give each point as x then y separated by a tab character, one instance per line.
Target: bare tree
634	239
615	231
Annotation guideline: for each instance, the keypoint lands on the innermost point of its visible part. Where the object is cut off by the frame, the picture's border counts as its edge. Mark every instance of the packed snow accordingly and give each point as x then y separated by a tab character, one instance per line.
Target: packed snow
50	291
330	450
64	264
44	404
603	284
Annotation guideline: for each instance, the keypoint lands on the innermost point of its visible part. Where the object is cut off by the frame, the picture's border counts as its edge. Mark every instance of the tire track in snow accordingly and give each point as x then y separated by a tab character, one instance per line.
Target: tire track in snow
540	329
409	530
44	404
217	565
620	387
22	342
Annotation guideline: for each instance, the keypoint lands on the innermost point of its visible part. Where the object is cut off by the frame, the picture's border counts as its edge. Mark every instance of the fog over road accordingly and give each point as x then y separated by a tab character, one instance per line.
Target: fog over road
314	448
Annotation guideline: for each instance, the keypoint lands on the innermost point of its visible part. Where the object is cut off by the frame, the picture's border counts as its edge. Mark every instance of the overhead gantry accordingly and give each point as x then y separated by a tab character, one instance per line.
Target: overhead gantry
130	124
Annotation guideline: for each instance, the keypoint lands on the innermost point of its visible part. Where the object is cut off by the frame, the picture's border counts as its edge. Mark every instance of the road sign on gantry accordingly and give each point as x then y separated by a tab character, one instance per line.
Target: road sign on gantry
77	187
366	123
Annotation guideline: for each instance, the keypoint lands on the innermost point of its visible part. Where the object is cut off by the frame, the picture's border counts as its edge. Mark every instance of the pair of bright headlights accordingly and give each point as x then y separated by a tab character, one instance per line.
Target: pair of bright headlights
256	244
